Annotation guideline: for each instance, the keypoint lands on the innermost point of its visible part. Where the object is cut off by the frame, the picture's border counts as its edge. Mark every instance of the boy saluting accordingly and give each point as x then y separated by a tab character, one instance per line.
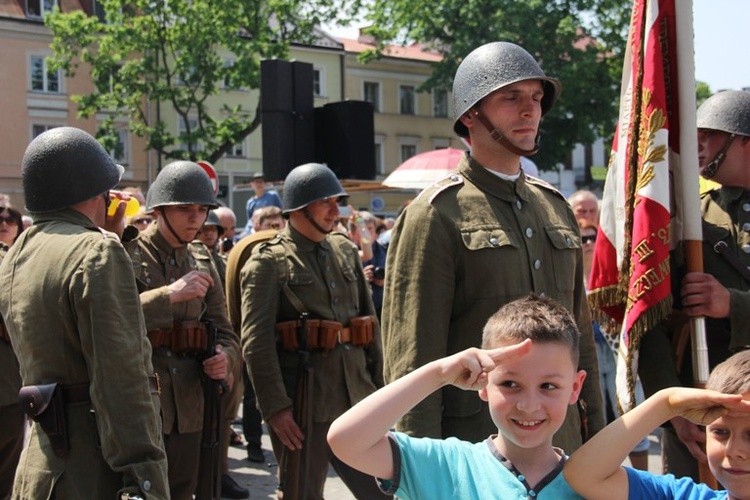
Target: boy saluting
526	372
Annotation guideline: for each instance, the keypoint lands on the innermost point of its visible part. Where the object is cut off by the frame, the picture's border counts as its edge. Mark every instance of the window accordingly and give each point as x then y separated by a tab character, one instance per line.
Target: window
238	150
406	100
407	151
193	122
38	8
38	129
372	94
43	80
319	82
440	103
105	82
121	153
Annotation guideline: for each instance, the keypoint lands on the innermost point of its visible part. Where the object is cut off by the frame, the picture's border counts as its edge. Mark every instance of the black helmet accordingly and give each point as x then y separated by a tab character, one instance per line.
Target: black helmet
213	220
308	183
65	166
181	183
727	111
491	67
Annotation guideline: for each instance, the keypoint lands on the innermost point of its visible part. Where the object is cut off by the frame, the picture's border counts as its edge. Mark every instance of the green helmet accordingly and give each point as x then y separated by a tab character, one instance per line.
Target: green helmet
308	183
727	111
213	220
491	67
65	166
181	183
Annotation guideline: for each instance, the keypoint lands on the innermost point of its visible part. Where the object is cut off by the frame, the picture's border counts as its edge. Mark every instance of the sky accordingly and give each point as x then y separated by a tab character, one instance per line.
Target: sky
722	41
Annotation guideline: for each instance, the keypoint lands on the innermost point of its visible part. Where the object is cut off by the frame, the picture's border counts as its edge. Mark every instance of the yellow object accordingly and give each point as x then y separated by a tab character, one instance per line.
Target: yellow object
130	209
707	185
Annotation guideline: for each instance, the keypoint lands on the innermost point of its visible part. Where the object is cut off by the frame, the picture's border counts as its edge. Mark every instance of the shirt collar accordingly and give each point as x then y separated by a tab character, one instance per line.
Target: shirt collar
492	184
303	242
152	234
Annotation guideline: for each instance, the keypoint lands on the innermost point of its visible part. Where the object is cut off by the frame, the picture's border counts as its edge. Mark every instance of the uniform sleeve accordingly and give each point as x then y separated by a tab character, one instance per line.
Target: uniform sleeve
260	303
591	391
739	318
419	289
118	357
216	311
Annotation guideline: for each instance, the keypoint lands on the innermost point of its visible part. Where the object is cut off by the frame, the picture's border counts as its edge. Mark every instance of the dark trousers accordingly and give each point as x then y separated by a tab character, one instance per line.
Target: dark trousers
11	444
361	485
252	427
183	460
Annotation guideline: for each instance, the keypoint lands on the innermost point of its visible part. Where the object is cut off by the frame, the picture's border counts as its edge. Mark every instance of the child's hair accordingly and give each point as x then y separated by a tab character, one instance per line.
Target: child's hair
533	317
731	376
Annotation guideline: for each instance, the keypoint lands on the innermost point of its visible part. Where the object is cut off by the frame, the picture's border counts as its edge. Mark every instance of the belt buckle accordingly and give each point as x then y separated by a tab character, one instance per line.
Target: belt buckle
338	335
158	383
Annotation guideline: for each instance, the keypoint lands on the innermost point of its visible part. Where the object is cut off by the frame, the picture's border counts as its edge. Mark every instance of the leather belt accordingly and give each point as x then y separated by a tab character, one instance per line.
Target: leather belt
79	393
345	336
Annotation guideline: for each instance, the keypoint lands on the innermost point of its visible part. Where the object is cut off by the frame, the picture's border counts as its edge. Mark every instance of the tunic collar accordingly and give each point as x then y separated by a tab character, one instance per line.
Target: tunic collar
492	184
165	250
66	215
732	194
303	242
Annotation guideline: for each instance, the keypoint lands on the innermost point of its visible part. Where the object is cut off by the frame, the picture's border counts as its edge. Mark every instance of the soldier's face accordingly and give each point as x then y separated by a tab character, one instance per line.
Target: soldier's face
186	220
209	236
733	170
516	111
325	212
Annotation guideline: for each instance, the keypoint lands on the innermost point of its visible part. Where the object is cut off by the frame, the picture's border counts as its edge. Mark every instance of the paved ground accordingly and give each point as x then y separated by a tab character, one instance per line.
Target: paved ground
260	479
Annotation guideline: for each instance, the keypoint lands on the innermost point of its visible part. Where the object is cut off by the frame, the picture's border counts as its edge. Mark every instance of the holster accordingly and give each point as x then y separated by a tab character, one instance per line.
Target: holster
45	404
286	332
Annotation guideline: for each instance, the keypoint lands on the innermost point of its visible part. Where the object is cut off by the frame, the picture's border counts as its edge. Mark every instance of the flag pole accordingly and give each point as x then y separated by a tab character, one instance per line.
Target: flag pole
689	186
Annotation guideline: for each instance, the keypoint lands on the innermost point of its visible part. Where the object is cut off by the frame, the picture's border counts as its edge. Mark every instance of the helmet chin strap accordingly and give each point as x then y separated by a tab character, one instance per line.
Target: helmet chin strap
714	165
315	224
500	138
171	229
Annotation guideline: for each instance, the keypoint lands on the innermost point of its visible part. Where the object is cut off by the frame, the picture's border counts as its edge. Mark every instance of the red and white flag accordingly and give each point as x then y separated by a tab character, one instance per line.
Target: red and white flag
642	214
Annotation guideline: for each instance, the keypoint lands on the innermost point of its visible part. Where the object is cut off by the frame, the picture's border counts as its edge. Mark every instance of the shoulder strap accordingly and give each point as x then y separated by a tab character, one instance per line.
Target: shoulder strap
721	248
283	269
235	262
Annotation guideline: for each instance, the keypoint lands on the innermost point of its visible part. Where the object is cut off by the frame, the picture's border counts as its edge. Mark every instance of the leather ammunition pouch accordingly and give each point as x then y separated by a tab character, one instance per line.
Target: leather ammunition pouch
325	335
187	337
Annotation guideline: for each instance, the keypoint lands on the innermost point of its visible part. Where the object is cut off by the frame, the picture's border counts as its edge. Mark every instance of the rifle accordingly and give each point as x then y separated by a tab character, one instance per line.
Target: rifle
295	464
209	472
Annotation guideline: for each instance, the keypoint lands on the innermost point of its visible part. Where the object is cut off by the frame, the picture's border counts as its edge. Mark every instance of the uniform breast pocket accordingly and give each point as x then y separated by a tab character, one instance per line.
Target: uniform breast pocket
491	261
300	280
565	245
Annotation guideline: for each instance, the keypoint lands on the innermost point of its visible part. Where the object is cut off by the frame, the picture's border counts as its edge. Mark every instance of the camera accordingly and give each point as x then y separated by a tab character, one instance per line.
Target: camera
226	245
378	273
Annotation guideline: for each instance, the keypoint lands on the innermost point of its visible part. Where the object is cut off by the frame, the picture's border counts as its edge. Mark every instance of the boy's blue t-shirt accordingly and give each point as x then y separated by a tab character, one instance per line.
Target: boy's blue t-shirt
453	469
647	486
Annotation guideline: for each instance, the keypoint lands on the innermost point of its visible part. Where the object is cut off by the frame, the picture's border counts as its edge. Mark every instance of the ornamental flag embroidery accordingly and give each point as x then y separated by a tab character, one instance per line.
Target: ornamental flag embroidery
630	275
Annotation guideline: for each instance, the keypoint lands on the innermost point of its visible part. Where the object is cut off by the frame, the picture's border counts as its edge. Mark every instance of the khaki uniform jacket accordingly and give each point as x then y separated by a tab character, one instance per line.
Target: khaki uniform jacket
157	266
466	246
71	306
328	279
10	380
726	216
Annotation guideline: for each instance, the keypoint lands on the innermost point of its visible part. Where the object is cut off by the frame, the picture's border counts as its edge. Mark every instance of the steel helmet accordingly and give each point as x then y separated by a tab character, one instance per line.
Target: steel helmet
308	183
181	183
213	220
727	111
65	166
491	67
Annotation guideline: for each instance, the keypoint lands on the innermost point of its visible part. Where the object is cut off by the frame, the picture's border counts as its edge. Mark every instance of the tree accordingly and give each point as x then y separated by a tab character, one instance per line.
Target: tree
702	92
581	42
153	53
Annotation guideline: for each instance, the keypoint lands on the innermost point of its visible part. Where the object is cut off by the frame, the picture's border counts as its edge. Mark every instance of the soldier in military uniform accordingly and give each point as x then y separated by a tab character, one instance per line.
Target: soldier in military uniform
209	235
722	292
482	237
71	308
179	287
308	269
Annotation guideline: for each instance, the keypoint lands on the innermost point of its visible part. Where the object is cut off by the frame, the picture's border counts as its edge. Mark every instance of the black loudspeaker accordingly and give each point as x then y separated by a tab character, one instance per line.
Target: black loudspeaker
287	116
345	139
